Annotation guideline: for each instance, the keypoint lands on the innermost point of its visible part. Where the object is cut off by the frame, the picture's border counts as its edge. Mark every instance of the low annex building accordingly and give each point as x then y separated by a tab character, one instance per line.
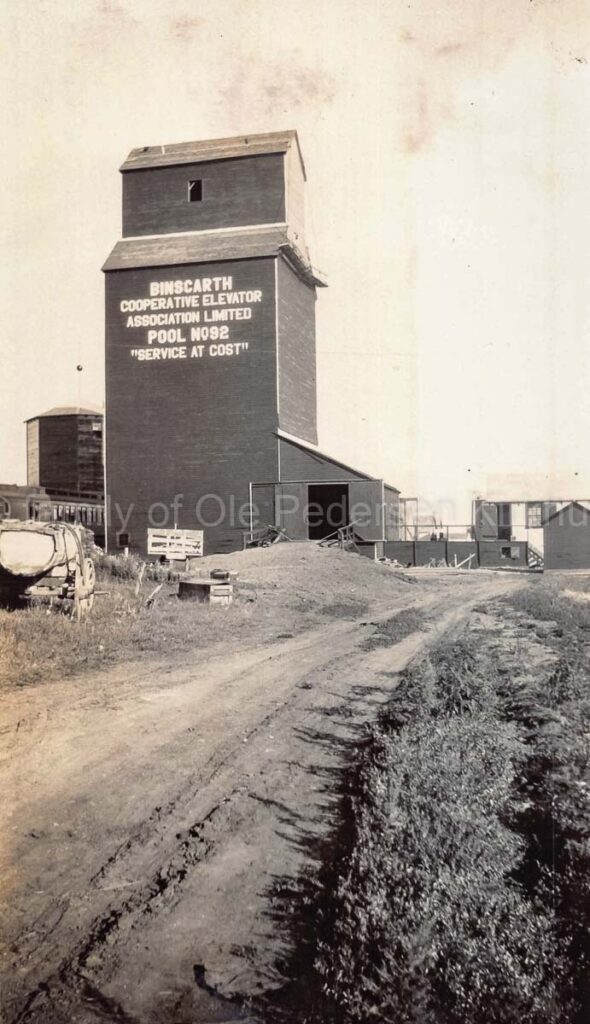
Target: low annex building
211	354
567	538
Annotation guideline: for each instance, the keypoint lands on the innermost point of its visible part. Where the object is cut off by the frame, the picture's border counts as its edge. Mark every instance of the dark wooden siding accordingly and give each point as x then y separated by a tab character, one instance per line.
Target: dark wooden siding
249	190
58	453
64	453
428	549
297	355
263	506
33	453
366	509
300	464
391	497
90	458
462	549
502	553
300	467
291	507
567	540
370	549
400	550
190	427
420	552
486	553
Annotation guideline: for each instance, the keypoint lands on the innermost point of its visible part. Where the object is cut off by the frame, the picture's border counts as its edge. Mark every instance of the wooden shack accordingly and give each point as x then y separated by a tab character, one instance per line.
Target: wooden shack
566	536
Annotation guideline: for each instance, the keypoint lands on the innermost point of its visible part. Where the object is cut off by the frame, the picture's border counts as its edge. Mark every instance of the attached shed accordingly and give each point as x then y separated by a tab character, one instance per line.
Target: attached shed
316	495
566	536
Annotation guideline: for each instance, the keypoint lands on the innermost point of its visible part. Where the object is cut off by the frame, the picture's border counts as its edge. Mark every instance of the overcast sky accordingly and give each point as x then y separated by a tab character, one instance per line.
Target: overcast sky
447	147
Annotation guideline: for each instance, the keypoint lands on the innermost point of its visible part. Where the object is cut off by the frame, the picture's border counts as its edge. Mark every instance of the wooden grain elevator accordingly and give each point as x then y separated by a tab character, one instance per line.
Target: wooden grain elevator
211	352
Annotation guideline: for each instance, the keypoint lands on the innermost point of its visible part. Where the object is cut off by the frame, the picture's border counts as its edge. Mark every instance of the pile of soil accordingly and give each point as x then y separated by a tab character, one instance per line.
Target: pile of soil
313	577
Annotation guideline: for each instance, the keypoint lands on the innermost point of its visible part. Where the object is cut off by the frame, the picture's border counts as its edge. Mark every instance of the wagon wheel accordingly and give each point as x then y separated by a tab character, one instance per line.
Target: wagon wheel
85	582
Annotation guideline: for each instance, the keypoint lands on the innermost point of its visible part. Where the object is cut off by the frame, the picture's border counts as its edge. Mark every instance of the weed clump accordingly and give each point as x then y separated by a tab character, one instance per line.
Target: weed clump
423	908
132	568
40	644
551	812
349	608
546	602
395	629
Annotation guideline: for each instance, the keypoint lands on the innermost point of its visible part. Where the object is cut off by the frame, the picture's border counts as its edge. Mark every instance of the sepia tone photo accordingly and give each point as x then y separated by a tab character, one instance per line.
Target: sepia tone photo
295	512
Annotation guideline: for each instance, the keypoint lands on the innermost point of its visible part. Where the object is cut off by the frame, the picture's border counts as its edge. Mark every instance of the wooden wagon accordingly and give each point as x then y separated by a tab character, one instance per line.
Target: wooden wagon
45	560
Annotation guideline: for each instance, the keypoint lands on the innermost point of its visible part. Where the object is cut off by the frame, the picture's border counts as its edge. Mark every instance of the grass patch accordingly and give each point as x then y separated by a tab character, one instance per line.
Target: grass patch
546	602
130	567
349	608
395	629
426	907
552	810
37	644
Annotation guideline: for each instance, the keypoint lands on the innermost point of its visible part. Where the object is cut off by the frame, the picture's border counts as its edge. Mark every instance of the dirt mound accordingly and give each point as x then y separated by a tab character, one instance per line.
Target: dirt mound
281	591
312	576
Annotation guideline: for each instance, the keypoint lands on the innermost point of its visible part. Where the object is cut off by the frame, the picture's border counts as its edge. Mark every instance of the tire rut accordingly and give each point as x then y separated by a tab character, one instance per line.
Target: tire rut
164	885
171	851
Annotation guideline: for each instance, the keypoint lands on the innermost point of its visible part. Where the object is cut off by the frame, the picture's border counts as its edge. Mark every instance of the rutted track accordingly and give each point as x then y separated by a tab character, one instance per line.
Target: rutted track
176	806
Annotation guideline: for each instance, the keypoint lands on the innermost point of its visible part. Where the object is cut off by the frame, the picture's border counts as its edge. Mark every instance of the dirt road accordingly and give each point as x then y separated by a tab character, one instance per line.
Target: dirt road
153	808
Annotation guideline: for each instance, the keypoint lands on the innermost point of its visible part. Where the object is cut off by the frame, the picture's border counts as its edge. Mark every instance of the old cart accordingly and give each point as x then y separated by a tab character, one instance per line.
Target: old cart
45	560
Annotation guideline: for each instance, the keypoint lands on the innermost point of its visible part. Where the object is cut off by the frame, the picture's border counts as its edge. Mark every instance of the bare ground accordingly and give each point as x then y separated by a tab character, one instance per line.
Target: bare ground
154	807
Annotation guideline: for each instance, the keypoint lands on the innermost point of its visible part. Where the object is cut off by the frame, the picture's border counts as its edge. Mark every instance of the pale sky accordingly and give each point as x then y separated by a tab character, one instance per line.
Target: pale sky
447	147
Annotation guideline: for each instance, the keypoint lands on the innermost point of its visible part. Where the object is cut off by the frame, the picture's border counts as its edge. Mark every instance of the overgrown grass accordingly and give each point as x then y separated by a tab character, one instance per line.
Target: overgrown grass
38	644
426	907
552	812
545	601
130	567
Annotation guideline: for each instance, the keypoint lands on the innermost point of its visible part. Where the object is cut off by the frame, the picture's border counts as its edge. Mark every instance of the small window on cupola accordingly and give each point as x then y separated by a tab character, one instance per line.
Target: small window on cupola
195	191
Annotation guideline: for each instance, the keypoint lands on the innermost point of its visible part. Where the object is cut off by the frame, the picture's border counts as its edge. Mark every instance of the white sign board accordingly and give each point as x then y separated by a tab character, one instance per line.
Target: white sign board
175	544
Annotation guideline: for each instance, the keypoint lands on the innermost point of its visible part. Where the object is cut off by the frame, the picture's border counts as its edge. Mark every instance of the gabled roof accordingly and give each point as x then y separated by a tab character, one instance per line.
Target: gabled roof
314	450
572	504
68	410
211	247
212	149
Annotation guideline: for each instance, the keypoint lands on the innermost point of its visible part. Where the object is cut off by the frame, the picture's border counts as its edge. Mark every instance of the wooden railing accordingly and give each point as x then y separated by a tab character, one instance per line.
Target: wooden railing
264	537
344	537
535	558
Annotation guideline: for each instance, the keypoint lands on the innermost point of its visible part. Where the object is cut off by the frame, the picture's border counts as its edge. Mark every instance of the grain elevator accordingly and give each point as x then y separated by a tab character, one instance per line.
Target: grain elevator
210	352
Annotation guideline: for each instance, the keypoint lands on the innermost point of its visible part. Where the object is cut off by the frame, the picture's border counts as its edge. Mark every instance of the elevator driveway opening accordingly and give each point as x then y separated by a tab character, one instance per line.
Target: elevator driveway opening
328	509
